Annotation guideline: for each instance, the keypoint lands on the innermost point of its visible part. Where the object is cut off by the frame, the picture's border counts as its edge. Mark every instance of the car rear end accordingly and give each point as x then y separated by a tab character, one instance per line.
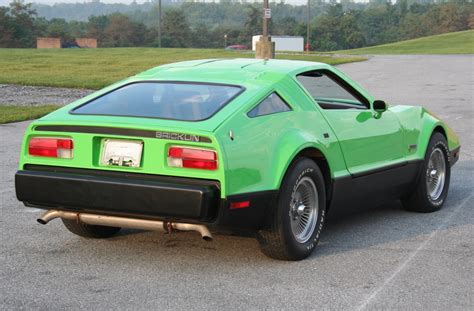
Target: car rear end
120	170
127	163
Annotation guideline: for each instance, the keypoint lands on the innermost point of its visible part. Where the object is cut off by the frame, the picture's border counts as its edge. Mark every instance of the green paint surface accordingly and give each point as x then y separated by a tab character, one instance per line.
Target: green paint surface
262	148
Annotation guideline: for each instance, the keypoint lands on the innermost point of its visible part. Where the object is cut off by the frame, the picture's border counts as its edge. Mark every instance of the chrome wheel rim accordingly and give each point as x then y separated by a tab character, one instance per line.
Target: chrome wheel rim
436	174
304	208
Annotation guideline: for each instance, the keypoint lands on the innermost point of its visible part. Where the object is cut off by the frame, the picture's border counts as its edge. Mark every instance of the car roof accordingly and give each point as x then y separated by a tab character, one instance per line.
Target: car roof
240	71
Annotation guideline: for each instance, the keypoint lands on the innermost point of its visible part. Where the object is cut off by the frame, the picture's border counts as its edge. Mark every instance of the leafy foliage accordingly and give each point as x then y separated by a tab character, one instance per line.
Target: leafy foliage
334	26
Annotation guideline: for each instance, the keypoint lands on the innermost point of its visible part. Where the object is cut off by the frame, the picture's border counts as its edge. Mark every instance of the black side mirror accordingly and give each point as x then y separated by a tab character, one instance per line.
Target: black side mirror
379	106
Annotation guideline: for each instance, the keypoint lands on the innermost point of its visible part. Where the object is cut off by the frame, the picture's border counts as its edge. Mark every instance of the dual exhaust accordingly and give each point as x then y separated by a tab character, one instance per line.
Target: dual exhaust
125	222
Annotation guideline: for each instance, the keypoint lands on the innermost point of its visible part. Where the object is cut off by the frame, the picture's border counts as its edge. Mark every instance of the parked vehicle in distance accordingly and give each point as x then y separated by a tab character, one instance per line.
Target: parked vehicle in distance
241	145
236	47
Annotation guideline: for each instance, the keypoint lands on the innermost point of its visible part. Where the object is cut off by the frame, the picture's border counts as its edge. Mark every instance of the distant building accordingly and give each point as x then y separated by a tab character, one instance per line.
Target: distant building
284	43
86	43
48	43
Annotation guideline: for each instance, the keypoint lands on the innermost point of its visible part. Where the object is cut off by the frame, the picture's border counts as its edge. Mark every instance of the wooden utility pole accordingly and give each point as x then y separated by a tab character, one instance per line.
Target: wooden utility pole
265	18
159	23
308	27
265	48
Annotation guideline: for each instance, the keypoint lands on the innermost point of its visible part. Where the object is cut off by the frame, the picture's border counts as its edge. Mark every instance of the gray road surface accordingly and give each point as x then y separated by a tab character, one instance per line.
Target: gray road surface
379	259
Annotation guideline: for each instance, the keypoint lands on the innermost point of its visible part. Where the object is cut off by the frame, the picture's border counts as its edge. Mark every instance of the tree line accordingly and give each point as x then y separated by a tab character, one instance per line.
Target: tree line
333	26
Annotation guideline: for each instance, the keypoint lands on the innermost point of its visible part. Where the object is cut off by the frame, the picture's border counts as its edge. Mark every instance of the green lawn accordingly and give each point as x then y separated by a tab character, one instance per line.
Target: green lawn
450	43
96	68
10	114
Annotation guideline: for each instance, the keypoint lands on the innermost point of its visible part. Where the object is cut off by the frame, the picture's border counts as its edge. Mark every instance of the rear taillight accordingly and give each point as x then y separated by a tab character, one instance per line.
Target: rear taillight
51	147
192	158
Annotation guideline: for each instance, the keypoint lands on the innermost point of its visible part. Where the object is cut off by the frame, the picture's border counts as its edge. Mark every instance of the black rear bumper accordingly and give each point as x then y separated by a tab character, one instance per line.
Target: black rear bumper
149	196
139	196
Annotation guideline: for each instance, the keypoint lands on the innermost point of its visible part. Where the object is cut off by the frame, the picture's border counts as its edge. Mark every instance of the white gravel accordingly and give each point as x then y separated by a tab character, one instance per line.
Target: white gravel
11	94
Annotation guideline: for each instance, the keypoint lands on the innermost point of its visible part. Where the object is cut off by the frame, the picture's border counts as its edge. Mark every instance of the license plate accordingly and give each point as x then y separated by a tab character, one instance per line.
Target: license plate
117	152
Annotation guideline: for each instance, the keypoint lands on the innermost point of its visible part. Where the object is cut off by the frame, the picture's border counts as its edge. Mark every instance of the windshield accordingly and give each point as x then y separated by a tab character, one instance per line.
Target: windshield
165	100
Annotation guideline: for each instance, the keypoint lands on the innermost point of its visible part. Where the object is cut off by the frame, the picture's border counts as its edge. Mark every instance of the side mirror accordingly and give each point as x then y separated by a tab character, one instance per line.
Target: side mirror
379	106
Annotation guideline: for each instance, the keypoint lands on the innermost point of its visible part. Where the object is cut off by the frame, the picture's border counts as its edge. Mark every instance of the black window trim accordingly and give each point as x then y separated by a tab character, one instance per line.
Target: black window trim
339	81
264	98
242	89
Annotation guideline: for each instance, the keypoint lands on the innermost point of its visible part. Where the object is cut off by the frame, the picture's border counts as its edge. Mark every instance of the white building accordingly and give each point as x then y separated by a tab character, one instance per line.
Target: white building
284	43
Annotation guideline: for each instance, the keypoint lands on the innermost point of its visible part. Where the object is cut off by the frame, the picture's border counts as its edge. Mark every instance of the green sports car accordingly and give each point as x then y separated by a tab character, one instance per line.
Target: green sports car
242	145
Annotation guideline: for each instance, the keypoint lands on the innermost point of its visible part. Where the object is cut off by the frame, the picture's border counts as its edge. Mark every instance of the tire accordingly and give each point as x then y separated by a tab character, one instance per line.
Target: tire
301	201
432	186
89	231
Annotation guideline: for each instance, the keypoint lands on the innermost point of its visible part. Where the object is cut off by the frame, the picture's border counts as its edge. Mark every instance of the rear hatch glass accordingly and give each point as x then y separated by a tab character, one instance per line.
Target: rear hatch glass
184	101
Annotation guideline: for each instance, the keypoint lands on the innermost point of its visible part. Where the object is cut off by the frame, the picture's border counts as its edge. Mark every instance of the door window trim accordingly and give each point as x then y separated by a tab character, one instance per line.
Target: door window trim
339	81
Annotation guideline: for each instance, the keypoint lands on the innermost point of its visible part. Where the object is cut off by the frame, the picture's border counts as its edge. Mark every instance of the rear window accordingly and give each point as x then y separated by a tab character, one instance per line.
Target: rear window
164	100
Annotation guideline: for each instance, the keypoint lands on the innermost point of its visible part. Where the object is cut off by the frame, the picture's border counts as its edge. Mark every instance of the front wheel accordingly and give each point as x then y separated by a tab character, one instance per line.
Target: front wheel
432	186
296	222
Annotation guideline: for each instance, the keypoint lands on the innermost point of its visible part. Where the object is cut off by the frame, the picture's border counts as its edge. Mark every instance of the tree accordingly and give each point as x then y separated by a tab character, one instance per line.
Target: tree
253	23
7	31
23	24
176	31
201	37
96	28
121	31
471	21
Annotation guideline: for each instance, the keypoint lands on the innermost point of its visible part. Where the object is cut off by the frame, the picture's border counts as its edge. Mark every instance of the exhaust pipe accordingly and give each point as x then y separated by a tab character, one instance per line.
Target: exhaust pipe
125	222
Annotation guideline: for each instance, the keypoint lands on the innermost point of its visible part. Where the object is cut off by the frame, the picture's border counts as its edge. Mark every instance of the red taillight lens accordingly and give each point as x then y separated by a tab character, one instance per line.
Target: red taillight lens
192	158
51	147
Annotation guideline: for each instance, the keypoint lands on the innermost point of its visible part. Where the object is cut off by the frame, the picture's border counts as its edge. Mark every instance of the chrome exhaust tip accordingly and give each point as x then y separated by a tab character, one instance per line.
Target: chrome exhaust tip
203	230
48	216
125	222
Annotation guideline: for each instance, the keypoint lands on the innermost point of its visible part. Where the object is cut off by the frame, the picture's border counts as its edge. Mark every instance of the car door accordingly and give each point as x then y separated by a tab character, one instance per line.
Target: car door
369	141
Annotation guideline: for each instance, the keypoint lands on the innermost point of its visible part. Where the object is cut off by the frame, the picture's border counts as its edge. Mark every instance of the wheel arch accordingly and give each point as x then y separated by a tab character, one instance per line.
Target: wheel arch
429	125
427	133
440	129
314	153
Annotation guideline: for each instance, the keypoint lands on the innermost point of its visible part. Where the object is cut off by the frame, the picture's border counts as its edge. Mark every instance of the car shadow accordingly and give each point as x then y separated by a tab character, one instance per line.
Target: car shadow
370	228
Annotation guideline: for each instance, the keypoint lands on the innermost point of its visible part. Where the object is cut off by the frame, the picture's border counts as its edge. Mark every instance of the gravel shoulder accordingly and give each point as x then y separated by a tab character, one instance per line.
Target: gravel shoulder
12	94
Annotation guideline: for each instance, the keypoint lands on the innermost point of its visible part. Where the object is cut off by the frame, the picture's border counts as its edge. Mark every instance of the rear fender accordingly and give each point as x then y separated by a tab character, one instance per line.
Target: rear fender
293	143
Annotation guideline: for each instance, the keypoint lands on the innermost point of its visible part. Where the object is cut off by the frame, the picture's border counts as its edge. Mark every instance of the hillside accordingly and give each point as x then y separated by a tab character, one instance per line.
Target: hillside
449	43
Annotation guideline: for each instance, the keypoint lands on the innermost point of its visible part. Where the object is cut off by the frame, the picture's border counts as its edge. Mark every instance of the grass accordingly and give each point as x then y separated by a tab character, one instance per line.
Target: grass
449	43
10	114
96	68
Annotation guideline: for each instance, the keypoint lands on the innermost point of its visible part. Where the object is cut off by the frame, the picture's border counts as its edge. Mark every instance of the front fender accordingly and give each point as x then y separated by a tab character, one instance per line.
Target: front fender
419	124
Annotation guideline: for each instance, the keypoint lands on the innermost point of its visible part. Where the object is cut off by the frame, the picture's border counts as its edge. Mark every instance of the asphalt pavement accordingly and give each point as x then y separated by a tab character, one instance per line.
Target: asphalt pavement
384	258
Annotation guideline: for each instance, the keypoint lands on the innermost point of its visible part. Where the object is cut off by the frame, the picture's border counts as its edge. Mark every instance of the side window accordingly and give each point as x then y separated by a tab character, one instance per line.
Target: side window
330	93
272	104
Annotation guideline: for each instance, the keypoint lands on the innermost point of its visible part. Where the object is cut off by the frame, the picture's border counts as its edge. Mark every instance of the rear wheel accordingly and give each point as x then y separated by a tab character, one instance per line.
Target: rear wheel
296	222
89	231
433	184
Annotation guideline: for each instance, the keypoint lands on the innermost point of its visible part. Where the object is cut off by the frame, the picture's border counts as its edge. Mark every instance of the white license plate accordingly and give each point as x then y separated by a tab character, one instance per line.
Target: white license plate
117	152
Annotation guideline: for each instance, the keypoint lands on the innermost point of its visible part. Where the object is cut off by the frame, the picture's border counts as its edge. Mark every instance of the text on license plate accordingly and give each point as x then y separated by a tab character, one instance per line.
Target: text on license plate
118	152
